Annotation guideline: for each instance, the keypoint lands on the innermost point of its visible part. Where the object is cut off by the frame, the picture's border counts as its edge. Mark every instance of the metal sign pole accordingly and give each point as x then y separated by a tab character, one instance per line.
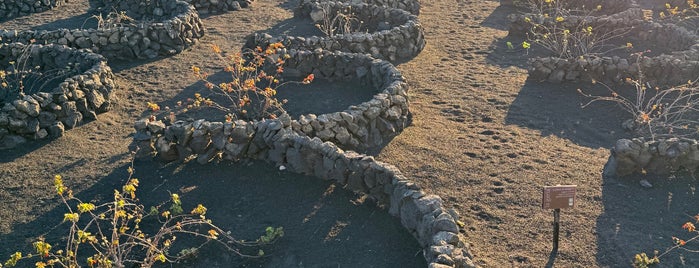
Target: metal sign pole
556	227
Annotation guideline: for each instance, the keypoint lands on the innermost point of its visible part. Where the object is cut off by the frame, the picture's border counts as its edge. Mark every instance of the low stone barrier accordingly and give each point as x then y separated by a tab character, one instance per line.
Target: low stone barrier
359	127
79	97
435	227
362	126
391	34
521	24
286	143
412	6
218	6
666	69
160	27
663	156
10	9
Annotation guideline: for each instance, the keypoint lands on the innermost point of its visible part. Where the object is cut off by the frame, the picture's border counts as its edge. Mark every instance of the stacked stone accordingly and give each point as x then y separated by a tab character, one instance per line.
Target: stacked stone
520	25
661	156
49	112
393	34
412	6
218	6
435	227
16	8
359	127
666	69
178	27
362	126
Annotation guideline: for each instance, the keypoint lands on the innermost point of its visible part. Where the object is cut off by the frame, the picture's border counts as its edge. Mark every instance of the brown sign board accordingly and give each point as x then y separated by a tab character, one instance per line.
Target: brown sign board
560	196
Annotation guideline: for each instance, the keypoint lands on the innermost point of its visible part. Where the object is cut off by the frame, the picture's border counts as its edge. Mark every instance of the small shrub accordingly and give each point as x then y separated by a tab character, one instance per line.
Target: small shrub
641	260
552	27
112	20
342	21
658	113
686	15
110	234
250	93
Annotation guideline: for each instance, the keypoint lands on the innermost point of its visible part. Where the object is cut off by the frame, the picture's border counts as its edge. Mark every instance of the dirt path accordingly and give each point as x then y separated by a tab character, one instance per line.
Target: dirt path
483	137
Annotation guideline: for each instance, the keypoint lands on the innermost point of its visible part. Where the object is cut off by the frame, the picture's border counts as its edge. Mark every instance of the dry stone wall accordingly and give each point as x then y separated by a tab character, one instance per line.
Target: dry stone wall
666	69
301	146
162	27
391	34
49	112
362	126
434	226
16	8
678	65
412	6
663	156
359	127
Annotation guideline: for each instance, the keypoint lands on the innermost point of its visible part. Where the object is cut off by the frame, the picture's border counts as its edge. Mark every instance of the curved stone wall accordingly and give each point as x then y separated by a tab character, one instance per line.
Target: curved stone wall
678	65
162	27
16	8
666	69
412	6
296	145
78	98
663	156
362	126
519	24
393	34
435	227
359	127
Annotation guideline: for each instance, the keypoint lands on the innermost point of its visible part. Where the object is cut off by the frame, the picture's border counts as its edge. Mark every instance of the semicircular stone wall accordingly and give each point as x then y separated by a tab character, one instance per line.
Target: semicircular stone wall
391	34
160	27
412	6
300	146
10	9
47	113
358	127
665	69
678	65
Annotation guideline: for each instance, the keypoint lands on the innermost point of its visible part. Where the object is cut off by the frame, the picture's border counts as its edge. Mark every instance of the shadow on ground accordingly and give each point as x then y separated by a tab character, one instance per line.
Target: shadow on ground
556	109
325	226
638	219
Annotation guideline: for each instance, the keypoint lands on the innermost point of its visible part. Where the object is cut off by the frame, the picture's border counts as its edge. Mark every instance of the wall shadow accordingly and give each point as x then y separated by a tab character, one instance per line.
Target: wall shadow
556	109
637	219
325	226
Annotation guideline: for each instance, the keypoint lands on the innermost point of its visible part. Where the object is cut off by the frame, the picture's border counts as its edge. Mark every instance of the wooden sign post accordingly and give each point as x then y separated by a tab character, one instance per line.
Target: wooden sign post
556	198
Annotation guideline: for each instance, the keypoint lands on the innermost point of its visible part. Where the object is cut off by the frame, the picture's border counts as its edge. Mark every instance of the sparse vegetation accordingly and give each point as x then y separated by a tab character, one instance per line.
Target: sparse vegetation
342	21
552	28
111	234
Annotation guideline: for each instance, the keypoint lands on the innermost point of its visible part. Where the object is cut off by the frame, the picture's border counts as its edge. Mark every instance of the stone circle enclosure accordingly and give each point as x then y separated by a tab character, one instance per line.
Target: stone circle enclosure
412	6
359	127
678	64
79	97
363	126
386	33
16	8
161	27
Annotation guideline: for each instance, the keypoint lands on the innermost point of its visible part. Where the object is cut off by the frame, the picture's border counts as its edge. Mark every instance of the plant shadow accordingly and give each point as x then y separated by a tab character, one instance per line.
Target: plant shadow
641	220
556	109
324	226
